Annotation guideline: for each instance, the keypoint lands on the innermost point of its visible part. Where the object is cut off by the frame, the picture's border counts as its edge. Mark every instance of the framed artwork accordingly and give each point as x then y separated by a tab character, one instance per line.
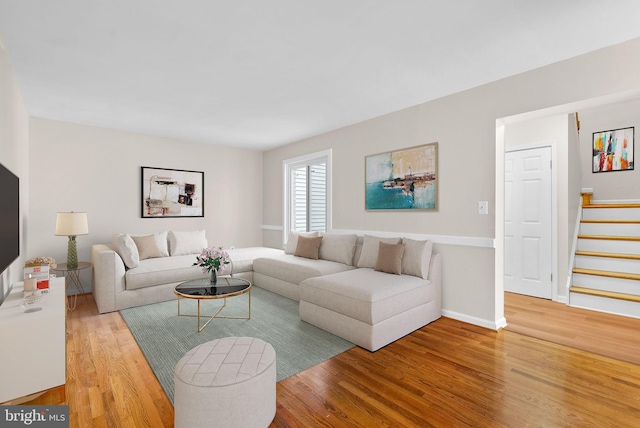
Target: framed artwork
404	179
613	150
172	193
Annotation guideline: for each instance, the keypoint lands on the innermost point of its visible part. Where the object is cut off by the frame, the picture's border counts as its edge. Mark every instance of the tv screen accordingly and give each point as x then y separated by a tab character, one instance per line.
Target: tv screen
9	218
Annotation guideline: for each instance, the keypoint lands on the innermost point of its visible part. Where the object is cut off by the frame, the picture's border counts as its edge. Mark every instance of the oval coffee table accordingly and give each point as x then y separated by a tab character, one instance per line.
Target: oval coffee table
201	289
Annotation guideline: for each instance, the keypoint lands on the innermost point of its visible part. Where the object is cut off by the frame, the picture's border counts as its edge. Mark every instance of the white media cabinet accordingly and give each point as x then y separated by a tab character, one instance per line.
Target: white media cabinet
32	344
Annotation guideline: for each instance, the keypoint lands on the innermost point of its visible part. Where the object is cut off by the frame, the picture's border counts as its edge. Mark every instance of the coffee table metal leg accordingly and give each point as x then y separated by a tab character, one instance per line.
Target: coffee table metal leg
215	315
211	317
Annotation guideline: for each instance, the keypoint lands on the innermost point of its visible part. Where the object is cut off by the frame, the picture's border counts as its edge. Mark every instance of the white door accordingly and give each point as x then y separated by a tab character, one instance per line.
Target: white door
527	229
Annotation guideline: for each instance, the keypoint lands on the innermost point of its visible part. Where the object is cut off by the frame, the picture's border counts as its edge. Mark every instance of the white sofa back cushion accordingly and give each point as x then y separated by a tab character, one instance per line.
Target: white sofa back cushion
338	248
126	249
182	243
370	244
416	258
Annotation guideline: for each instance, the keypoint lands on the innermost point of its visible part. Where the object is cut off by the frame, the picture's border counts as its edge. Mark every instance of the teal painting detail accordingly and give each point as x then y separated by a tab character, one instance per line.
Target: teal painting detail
402	180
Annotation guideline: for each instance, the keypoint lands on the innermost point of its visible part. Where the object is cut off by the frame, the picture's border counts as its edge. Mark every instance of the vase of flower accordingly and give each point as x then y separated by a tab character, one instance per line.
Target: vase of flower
212	261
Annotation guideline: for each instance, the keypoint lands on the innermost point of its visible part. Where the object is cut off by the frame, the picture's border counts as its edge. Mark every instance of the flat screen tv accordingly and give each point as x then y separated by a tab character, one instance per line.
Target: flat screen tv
9	223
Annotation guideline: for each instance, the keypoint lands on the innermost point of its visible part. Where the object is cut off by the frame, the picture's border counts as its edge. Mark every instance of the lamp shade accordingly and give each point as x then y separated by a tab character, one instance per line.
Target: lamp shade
71	224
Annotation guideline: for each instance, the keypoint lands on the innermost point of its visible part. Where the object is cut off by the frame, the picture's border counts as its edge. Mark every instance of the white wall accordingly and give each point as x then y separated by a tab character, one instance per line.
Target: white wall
14	146
97	170
617	185
464	125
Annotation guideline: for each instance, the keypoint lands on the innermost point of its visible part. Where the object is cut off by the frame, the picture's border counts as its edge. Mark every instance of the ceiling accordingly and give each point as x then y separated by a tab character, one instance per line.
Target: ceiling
259	74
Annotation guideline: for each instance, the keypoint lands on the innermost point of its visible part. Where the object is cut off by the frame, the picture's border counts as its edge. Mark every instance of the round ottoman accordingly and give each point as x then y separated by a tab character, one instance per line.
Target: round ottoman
229	382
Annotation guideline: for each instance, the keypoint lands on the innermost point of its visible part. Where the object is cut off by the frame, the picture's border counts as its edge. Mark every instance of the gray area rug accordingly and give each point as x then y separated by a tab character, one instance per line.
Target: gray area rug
164	337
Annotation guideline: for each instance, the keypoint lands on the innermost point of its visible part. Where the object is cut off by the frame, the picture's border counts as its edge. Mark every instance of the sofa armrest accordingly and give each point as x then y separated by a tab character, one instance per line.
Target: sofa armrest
108	277
435	275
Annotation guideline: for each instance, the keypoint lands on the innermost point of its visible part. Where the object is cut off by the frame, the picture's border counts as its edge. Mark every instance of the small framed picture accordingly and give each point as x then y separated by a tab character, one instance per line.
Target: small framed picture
613	150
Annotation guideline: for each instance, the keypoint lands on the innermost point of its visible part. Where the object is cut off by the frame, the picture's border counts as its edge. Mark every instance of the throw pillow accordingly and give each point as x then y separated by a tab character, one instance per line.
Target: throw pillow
292	240
126	249
390	258
338	248
417	256
369	254
184	243
308	247
147	247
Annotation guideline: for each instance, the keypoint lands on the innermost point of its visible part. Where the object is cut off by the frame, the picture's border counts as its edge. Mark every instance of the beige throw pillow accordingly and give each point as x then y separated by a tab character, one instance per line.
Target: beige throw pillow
308	247
390	258
161	241
292	240
147	247
369	254
417	256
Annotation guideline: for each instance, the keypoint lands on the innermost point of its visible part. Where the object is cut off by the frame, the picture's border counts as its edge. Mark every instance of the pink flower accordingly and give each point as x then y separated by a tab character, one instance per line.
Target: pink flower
212	258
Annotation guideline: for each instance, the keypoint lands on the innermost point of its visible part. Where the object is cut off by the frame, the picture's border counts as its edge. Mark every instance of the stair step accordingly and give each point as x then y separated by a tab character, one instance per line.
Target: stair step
605	246
611	206
610	229
610	238
608	274
607	294
611	221
609	255
609	213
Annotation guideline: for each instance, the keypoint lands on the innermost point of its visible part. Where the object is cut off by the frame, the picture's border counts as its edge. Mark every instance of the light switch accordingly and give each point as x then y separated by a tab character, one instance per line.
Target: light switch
483	207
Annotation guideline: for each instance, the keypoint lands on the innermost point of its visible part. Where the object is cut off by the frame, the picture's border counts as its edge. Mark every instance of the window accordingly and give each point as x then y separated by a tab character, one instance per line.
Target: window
307	193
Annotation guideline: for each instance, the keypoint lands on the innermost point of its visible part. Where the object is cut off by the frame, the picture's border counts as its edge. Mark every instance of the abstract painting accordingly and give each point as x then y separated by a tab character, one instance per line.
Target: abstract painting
613	150
404	179
172	193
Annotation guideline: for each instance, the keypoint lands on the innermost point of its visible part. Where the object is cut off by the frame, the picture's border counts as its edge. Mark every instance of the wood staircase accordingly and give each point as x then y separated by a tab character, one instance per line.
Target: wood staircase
606	273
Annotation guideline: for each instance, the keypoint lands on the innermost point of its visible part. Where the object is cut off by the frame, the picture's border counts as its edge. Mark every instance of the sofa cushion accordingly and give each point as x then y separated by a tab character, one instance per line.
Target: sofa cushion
369	254
308	247
390	258
367	295
126	249
163	270
182	243
338	248
242	258
416	258
294	269
292	240
147	247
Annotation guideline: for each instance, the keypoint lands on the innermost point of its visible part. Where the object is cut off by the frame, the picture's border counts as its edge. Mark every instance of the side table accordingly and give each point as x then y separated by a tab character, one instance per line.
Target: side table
73	277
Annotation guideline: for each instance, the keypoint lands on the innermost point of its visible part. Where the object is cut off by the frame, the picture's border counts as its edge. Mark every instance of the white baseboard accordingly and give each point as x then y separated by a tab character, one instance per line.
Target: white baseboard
493	325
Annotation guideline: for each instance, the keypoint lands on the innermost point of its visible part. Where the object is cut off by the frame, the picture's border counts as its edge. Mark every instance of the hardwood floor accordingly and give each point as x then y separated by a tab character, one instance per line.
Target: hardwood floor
448	373
603	334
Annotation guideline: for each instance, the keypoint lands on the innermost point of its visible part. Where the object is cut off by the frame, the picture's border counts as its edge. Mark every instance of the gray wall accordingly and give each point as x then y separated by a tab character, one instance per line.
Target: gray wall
97	170
14	150
464	125
618	185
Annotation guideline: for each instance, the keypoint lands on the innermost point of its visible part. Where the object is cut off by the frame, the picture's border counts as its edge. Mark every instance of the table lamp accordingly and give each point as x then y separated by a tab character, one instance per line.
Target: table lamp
72	224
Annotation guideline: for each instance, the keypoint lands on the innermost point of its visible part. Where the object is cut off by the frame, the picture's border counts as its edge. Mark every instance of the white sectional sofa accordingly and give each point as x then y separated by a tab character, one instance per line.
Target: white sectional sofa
121	280
342	285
